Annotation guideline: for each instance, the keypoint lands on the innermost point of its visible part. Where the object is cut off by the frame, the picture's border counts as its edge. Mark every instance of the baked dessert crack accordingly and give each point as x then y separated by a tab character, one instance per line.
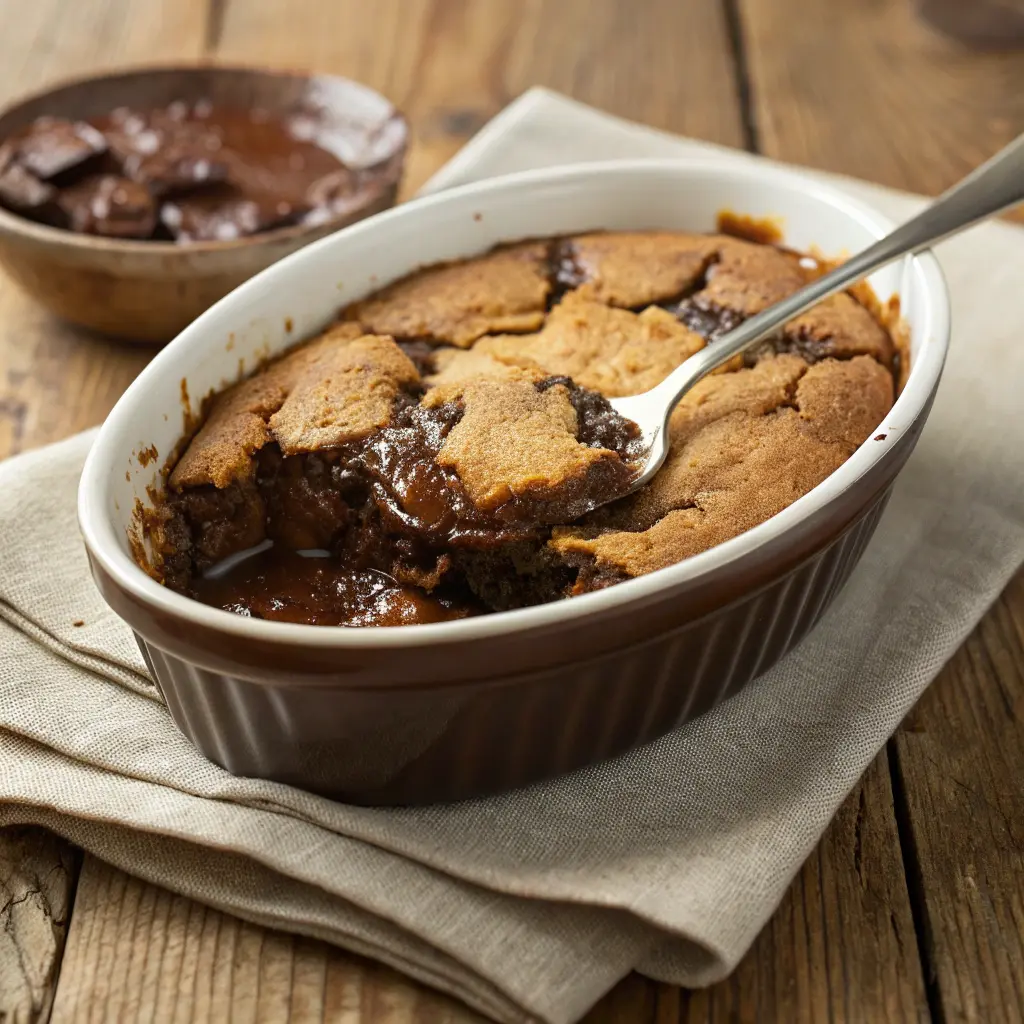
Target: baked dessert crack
435	452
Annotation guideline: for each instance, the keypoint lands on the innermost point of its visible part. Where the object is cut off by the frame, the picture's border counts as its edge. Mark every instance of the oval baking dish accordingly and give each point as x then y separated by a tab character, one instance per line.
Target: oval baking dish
444	711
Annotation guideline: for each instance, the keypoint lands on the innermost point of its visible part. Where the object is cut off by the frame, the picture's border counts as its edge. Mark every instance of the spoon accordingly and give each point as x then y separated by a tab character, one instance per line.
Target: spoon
993	187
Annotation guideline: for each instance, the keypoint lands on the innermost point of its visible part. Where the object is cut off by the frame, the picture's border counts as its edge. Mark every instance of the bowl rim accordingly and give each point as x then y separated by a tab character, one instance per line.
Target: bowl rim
44	233
101	535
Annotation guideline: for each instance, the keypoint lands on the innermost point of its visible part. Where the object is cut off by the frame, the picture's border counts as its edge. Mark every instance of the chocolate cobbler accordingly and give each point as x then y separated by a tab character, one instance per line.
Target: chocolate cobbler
433	454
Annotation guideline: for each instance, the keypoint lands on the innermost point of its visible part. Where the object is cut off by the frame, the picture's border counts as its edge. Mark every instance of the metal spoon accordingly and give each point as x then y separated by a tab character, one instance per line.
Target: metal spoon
993	187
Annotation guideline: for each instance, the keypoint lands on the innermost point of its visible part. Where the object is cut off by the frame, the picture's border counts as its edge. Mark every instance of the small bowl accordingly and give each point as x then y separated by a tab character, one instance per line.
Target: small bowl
149	291
415	714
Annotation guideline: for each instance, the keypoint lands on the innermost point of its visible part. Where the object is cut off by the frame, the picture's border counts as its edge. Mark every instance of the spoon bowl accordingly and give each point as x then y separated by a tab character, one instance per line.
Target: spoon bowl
993	187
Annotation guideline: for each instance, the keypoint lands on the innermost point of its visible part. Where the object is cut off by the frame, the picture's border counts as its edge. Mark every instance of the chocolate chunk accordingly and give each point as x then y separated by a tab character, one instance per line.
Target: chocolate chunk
166	155
130	134
223	214
52	146
176	169
333	189
331	195
707	321
109	205
25	193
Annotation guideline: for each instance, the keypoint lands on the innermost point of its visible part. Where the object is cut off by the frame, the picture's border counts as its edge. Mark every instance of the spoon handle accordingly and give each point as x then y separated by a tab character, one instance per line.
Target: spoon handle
993	187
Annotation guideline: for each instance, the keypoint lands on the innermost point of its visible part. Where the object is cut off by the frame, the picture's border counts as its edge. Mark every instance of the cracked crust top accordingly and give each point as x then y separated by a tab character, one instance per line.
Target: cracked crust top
633	269
456	303
344	397
513	440
625	309
744	446
614	351
236	426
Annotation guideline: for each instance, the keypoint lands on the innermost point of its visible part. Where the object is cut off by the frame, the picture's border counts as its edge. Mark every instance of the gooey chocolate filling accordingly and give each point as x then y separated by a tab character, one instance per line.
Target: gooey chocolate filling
378	532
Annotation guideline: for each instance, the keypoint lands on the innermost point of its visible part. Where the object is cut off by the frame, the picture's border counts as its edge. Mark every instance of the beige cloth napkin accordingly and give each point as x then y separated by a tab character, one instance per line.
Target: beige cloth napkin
533	904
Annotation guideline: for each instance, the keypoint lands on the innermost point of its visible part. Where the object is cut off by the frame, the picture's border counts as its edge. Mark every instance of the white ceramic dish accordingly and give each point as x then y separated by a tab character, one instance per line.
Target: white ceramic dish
189	644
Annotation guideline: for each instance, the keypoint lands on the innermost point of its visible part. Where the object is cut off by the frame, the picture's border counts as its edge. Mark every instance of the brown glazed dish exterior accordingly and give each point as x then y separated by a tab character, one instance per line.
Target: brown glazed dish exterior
435	724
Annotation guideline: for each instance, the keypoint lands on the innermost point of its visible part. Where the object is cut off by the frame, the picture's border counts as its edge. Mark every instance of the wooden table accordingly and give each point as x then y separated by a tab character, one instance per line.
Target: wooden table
912	907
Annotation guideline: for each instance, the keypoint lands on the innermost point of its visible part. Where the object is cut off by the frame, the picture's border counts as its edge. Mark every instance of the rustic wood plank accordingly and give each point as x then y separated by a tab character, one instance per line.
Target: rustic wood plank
49	40
890	99
138	953
869	89
37	883
54	381
452	64
960	761
841	947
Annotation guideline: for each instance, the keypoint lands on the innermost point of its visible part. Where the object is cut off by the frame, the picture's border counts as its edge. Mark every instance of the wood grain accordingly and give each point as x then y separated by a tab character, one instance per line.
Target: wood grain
858	88
138	953
960	761
889	99
48	40
37	883
841	947
452	64
869	89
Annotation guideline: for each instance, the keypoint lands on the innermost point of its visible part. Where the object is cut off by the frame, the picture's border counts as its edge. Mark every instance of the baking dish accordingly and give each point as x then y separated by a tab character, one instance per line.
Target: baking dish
439	712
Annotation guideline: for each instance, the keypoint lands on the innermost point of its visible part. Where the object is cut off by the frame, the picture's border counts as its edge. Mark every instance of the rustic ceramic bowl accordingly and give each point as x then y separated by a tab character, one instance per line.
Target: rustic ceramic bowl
437	712
149	291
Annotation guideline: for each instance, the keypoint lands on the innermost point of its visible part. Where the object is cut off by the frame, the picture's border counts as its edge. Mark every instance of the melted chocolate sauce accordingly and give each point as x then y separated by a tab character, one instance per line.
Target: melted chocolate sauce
186	172
314	588
398	538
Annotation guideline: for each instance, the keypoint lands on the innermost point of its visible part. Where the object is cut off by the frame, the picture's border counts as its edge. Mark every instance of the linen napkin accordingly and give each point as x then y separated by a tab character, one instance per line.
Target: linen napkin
533	904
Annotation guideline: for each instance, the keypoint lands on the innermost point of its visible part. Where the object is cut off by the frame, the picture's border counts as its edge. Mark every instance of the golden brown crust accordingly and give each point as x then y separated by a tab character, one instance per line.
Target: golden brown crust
236	427
513	441
610	350
632	269
747	278
456	303
841	327
844	401
343	397
458	364
744	447
745	442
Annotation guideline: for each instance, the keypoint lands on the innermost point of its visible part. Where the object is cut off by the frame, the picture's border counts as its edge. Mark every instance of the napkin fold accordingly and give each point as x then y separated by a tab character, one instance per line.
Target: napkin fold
531	905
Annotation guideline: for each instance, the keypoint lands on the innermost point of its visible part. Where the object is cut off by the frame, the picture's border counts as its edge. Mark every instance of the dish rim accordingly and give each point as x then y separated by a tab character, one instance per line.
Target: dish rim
100	533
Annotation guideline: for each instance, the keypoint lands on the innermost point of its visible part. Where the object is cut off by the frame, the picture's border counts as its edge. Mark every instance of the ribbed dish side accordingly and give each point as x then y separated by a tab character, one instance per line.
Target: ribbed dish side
427	745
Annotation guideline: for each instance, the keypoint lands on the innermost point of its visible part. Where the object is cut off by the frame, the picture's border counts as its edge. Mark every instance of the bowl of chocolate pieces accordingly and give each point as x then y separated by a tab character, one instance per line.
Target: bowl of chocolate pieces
130	203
